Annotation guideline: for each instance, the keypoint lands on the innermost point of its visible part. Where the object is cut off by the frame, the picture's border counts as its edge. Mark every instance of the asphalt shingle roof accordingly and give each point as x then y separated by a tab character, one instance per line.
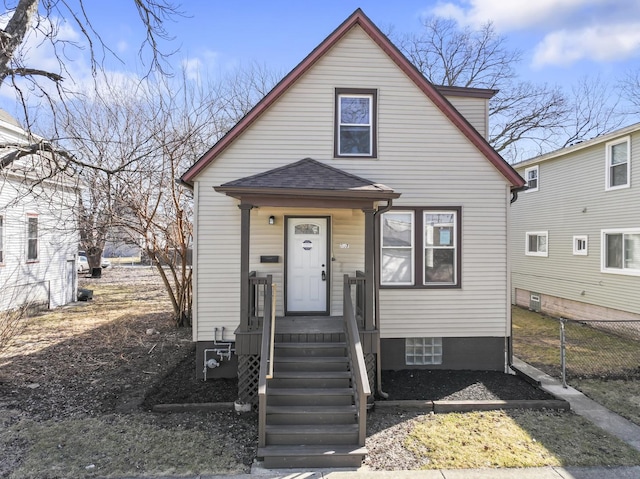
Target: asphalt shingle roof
308	174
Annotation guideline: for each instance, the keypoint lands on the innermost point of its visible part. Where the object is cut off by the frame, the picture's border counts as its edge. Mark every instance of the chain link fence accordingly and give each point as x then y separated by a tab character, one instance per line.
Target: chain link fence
570	349
600	349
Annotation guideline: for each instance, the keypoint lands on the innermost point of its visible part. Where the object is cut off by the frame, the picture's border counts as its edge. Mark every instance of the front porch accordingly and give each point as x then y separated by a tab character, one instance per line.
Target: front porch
301	329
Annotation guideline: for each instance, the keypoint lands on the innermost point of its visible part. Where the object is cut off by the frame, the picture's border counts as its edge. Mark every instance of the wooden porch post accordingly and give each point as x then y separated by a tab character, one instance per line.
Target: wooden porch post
245	229
369	268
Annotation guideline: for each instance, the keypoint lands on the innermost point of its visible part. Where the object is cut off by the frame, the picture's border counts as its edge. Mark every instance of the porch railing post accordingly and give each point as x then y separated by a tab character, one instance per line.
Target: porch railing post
369	268
245	229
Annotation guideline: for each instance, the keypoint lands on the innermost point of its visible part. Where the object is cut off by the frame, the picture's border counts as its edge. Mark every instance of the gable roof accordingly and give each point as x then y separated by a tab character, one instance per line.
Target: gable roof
309	174
579	146
360	19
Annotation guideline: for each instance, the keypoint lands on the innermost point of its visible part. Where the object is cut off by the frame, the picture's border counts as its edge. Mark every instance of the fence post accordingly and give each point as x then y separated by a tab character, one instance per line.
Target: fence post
563	351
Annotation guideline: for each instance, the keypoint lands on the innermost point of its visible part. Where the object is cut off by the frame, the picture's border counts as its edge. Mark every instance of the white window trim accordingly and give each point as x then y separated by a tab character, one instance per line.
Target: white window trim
453	246
526	177
412	248
580	252
37	239
526	243
370	124
608	147
603	252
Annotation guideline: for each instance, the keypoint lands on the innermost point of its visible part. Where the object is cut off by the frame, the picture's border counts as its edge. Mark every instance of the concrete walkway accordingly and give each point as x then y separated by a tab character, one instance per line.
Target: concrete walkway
580	404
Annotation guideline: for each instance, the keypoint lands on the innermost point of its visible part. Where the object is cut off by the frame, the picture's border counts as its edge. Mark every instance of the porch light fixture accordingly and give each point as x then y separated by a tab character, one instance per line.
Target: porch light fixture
272	220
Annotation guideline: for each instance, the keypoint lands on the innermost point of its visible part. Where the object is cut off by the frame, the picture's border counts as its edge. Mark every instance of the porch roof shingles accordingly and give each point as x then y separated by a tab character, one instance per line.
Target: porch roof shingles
306	178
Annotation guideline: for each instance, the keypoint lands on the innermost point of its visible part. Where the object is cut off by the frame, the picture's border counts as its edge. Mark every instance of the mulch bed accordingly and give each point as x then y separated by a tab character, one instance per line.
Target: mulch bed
180	386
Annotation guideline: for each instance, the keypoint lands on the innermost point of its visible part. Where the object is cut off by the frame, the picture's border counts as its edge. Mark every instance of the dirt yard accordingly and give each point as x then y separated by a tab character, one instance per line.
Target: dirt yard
77	387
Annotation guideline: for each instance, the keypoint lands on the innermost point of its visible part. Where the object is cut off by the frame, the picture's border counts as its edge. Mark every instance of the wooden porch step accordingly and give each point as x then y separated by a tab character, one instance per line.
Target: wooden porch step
333	344
350	409
310	379
311	434
315	349
314	374
310	363
312	456
310	396
311	414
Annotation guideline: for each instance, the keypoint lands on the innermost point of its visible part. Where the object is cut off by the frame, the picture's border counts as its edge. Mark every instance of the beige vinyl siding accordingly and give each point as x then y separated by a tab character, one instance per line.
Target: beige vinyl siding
420	154
572	201
475	110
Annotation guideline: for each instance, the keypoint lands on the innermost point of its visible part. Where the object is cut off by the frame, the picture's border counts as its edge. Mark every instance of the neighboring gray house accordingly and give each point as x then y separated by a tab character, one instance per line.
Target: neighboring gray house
575	233
38	233
292	213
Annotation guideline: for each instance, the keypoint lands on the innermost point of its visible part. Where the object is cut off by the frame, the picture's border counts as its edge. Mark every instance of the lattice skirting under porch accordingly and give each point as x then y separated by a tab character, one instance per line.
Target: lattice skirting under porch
248	378
370	363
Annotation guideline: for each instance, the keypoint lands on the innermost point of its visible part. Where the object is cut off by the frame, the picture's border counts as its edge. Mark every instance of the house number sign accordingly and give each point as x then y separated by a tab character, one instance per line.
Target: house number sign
307	245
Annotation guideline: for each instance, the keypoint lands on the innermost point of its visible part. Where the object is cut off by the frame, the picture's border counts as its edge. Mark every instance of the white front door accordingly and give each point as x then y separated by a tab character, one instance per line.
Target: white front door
307	267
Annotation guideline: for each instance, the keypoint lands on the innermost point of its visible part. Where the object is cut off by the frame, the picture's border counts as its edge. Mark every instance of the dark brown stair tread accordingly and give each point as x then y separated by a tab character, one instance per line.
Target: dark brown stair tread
311	450
311	345
311	359
311	409
310	391
312	375
311	428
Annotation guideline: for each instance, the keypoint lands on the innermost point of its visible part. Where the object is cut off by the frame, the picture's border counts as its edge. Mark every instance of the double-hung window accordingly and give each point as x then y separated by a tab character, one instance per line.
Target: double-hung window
537	243
621	251
32	238
420	248
355	122
618	155
531	175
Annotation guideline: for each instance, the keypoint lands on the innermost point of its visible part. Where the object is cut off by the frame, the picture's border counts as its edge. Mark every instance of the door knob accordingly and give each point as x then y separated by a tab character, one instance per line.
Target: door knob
324	276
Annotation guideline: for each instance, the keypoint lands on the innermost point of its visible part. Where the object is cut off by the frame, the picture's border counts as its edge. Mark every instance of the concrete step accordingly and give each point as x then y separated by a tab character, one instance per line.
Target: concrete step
311	414
323	456
310	349
310	379
311	434
309	396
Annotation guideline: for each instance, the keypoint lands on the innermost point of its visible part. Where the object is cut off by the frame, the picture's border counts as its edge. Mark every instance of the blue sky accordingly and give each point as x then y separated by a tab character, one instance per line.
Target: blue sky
560	39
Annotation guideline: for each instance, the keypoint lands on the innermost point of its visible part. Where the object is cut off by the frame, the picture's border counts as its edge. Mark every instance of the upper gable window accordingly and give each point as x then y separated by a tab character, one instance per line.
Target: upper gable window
355	129
618	163
531	175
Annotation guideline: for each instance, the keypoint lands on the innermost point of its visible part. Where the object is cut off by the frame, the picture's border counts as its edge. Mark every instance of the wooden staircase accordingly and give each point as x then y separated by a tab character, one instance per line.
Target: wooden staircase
311	412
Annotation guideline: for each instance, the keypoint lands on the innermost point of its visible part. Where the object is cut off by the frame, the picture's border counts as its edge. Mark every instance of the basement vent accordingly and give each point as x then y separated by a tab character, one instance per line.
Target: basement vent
534	302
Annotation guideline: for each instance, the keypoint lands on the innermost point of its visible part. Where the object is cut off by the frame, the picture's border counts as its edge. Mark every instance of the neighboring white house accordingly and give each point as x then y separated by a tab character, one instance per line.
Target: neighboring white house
575	233
38	233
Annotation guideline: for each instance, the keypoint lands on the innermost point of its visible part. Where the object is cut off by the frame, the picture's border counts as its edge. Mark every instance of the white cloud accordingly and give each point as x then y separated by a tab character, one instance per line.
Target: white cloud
192	68
567	30
599	43
514	14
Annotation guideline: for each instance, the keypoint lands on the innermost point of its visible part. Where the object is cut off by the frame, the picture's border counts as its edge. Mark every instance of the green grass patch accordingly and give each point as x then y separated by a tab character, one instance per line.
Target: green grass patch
590	350
500	439
114	446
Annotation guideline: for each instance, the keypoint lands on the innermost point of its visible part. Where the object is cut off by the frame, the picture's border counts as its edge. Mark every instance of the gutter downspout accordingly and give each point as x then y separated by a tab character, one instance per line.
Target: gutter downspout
514	198
377	293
